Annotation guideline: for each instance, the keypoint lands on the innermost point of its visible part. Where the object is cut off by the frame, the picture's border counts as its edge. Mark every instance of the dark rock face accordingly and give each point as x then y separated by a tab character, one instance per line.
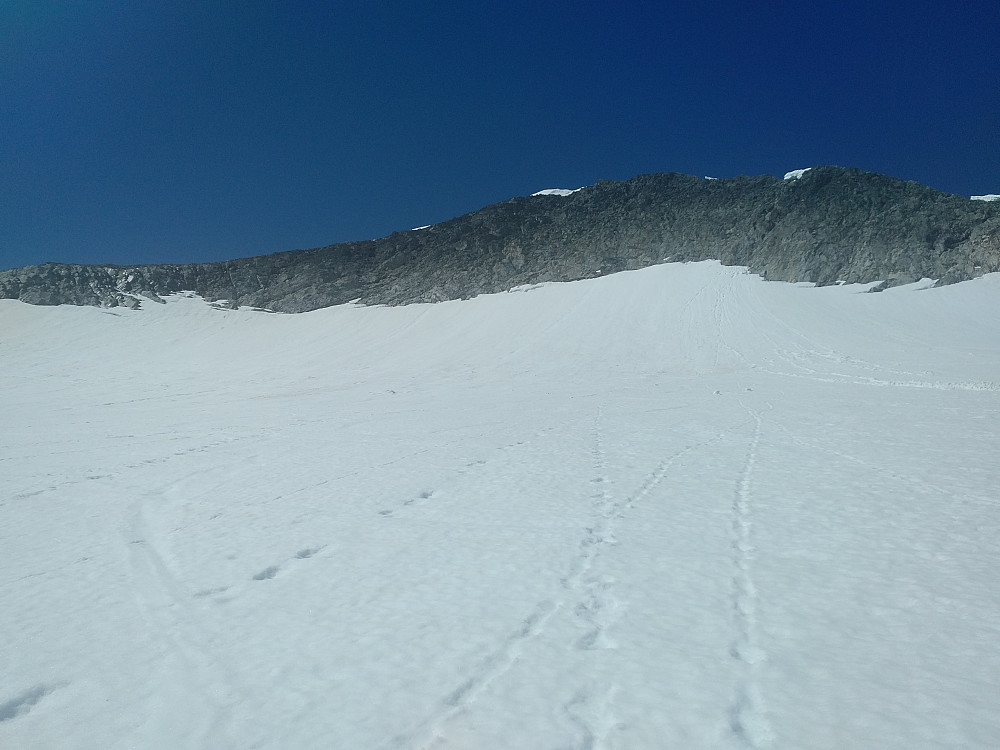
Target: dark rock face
829	225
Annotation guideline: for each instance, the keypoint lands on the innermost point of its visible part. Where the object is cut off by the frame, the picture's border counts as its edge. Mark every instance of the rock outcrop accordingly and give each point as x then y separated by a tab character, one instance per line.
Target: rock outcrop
823	225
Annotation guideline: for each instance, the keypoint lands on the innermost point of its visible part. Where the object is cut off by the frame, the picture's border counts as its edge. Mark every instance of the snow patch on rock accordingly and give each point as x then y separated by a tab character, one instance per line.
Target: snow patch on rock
796	174
556	191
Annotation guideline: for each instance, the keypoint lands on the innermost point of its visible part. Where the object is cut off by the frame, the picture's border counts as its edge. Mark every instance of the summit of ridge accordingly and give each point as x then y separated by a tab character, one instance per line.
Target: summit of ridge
823	224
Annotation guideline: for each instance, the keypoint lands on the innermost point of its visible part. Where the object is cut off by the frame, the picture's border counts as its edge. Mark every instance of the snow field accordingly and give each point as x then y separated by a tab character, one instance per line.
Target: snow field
678	507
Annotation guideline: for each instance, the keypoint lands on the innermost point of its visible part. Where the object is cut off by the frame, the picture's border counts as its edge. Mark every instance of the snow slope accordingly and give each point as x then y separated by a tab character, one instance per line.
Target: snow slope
672	508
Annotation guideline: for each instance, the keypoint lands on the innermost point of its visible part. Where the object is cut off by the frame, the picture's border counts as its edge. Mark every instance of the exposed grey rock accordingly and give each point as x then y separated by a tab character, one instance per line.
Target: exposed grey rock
828	225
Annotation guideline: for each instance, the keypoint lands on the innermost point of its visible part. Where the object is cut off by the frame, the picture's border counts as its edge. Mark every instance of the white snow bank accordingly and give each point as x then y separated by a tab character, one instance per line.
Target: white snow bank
796	173
990	197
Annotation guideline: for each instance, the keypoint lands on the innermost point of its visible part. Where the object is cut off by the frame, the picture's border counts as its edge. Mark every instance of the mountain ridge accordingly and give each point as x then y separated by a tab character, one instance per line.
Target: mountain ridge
826	225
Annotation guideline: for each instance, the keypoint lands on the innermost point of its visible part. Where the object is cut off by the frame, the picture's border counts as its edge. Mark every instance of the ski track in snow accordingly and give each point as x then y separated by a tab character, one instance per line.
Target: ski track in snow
155	579
586	593
748	712
433	731
590	710
592	598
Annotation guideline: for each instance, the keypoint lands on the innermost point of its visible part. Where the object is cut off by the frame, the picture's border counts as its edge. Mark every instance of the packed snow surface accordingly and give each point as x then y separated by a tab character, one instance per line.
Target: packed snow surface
991	197
672	508
796	173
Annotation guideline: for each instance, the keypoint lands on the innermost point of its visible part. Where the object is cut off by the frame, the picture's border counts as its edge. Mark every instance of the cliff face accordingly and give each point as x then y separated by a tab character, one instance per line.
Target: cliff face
829	225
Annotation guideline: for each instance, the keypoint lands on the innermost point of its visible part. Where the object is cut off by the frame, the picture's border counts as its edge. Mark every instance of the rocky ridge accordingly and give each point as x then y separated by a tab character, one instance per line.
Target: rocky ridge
823	225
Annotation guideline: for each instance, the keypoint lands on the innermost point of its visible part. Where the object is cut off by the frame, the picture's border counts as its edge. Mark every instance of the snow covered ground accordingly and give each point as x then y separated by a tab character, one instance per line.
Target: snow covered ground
672	508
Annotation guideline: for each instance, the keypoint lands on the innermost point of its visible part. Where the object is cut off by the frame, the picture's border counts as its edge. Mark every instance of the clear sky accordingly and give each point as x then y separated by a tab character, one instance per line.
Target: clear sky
193	130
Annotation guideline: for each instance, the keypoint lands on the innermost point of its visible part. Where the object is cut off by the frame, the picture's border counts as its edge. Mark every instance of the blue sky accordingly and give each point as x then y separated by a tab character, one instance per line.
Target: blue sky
189	131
